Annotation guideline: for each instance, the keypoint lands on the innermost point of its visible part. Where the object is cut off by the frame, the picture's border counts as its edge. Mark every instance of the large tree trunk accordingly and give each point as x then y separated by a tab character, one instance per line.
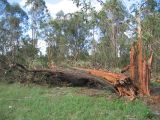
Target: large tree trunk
140	69
134	65
141	64
144	69
89	77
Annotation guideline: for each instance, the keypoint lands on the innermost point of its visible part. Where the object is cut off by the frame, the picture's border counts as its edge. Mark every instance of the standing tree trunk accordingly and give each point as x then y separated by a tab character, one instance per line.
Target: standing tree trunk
134	64
140	55
140	68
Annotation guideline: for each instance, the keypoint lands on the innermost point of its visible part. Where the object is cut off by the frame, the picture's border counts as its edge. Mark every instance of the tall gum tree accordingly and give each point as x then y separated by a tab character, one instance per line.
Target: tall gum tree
38	14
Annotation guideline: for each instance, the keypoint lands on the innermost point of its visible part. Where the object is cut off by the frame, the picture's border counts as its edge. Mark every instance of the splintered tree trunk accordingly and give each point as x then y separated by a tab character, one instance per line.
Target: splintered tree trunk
121	82
134	65
146	75
140	68
145	80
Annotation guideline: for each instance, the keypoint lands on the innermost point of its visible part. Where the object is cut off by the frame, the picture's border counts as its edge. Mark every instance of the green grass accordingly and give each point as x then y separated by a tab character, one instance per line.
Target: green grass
19	102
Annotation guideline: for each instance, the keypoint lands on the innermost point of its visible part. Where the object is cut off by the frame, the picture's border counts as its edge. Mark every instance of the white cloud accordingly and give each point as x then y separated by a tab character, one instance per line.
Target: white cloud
97	5
66	5
22	3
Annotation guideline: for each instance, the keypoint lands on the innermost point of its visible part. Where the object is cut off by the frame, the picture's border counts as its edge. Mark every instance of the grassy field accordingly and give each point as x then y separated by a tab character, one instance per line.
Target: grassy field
19	102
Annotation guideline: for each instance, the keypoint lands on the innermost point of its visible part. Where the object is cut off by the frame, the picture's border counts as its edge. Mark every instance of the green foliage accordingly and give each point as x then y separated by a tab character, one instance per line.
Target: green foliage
69	38
26	53
13	21
112	27
40	17
100	37
150	30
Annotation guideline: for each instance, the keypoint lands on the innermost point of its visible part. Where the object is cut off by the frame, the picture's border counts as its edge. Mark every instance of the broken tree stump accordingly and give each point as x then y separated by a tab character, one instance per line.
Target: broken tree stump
140	69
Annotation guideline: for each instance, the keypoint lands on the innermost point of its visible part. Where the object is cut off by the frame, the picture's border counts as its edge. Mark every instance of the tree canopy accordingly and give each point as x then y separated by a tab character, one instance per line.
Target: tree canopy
96	38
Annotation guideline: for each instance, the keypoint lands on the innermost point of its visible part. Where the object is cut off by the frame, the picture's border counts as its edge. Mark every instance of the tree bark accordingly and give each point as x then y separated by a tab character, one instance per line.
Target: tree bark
140	69
134	64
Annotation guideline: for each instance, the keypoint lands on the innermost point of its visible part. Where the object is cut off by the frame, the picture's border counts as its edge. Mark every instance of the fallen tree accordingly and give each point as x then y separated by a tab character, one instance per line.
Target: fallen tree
138	81
87	77
122	83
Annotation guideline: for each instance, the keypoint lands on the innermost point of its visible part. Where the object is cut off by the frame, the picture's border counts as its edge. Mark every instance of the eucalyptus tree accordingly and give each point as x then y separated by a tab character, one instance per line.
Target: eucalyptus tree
72	33
151	30
148	22
14	22
77	34
57	44
38	14
90	17
4	45
112	23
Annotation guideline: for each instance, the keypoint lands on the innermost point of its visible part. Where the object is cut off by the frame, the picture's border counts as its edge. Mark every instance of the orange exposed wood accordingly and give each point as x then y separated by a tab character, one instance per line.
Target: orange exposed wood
121	82
140	65
132	63
140	68
140	53
109	76
146	75
145	81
